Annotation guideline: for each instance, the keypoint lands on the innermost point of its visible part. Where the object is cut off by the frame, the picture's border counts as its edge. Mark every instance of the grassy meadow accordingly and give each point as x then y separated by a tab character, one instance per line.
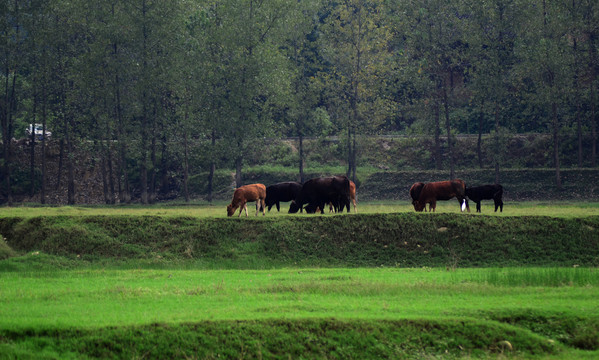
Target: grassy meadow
65	294
218	209
558	306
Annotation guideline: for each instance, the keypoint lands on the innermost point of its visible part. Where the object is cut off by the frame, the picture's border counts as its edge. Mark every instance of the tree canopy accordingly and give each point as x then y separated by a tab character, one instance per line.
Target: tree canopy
141	79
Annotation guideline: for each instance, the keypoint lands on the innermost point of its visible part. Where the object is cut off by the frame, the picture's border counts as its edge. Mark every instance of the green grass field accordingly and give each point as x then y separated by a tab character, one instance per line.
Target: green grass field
557	305
218	209
99	298
101	310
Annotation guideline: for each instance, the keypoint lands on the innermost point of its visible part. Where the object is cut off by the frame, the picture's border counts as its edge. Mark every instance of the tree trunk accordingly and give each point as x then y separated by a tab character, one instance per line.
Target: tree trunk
593	77
555	130
152	182
143	168
437	150
70	158
32	140
60	161
593	128
143	174
349	151
10	100
479	142
44	118
110	172
301	157
577	99
32	158
212	166
164	185
448	129
498	150
238	164
70	171
354	160
186	167
104	176
123	179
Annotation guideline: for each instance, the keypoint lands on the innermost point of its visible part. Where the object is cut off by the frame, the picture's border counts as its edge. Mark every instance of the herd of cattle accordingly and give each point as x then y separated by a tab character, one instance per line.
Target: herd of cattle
337	192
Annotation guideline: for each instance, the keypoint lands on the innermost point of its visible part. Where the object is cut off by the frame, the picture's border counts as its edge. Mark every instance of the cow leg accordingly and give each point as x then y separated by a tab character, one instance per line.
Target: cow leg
263	202
241	208
278	206
498	205
432	206
478	207
355	206
322	204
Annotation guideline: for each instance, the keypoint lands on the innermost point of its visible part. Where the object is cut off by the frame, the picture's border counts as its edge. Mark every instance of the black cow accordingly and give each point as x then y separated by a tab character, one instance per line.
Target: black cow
282	192
486	192
317	192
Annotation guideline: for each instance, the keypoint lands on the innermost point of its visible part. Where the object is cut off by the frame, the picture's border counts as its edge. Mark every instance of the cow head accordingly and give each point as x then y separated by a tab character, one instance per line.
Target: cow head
294	207
418	206
231	210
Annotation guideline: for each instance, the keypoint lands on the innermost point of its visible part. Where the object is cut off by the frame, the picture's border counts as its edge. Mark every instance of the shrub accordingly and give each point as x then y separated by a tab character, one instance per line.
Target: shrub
5	250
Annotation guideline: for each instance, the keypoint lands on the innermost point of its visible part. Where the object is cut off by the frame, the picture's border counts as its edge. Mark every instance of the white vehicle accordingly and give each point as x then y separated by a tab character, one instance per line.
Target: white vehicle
38	130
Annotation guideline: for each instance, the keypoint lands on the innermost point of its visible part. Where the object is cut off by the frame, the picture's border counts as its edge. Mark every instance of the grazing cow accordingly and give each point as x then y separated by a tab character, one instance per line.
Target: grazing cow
415	193
441	190
352	197
245	194
281	192
317	192
486	192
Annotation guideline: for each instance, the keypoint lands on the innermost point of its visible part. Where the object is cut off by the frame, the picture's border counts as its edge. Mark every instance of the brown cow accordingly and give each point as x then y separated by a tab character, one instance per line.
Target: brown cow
441	190
245	194
415	193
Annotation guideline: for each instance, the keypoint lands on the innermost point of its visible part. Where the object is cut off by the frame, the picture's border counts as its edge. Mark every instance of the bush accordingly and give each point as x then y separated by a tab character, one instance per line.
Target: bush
5	250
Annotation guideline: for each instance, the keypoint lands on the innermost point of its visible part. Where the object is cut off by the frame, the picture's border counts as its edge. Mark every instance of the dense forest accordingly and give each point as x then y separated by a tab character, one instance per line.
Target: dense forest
142	82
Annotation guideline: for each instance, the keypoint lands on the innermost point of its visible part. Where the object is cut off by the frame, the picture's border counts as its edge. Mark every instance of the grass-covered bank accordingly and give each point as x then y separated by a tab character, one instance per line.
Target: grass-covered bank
280	339
362	240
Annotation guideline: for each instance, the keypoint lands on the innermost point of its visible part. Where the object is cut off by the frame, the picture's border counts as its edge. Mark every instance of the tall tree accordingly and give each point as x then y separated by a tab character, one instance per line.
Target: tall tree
590	15
303	101
434	40
156	26
492	31
355	44
11	58
255	72
546	59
